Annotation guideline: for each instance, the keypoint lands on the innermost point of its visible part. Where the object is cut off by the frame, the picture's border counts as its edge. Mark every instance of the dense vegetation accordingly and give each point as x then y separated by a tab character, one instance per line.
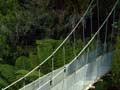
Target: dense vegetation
31	29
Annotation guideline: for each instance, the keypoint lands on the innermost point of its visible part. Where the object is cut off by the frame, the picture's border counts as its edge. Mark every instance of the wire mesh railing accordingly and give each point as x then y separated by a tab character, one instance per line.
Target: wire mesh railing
72	48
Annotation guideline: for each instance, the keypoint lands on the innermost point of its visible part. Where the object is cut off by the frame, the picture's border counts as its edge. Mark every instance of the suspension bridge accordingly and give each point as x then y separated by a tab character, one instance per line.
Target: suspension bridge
87	66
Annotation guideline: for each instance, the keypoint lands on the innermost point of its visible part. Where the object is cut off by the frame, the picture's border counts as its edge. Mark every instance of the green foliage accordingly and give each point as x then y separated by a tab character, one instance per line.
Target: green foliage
8	10
4	48
116	64
34	76
23	62
46	47
34	60
20	19
7	72
30	78
3	83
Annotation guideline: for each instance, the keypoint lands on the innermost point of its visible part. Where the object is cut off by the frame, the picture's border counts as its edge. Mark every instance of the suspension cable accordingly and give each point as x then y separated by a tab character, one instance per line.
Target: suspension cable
98	35
105	39
87	45
24	67
74	43
64	62
91	22
52	74
39	75
55	50
98	22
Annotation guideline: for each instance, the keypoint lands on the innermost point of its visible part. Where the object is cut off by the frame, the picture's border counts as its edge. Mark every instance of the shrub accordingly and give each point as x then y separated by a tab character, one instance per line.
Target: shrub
7	72
23	62
44	49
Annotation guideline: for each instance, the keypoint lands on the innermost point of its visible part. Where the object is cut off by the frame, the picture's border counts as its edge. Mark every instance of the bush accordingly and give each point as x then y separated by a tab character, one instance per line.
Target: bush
7	72
45	48
23	62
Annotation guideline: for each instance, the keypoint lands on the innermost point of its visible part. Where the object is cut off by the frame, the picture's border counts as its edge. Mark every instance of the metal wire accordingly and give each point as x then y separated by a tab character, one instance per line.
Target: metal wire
90	41
55	50
105	40
65	39
52	75
39	75
74	44
64	61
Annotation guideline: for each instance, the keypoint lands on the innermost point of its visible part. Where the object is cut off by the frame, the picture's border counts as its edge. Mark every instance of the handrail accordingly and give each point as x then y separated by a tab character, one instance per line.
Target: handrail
87	45
55	50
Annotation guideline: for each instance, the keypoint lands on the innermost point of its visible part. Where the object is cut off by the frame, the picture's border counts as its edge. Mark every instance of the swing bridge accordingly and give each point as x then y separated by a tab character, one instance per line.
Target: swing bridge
87	66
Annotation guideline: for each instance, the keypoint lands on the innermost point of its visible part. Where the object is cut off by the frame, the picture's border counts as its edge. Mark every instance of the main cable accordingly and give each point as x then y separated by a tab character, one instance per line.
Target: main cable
54	51
86	46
